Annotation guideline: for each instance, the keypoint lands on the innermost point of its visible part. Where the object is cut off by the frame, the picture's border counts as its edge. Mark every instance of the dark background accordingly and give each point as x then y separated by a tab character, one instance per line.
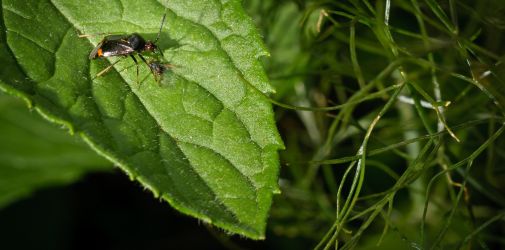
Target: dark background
108	211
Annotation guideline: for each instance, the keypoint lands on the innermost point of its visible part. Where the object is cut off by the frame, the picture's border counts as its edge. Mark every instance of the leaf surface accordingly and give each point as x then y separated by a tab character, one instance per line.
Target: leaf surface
204	139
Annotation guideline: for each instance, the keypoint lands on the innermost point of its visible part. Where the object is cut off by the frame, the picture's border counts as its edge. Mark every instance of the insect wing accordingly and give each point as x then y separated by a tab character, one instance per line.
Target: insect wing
116	47
112	46
94	52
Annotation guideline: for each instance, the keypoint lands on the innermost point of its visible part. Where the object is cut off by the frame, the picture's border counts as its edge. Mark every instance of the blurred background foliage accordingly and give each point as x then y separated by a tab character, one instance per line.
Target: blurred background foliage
418	85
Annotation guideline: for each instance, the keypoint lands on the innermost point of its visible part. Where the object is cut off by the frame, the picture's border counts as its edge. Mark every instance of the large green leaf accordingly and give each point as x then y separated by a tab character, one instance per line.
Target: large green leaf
204	139
35	154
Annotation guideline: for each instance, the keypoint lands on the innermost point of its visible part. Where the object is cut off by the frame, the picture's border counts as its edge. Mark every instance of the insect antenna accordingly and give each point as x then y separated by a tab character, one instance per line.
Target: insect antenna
159	32
161	27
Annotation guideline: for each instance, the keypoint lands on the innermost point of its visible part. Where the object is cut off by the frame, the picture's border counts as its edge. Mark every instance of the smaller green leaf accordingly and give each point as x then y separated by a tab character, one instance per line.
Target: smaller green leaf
35	154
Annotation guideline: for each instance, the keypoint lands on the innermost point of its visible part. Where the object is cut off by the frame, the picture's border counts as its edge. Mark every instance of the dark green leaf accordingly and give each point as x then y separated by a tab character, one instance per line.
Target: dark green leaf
36	154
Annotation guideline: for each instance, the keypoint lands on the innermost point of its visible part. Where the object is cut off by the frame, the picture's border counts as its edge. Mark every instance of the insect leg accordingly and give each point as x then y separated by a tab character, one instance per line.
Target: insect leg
145	61
157	76
161	52
137	64
106	69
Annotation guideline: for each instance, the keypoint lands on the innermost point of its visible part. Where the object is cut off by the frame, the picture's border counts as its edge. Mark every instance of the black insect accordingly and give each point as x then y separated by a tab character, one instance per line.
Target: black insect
158	68
125	45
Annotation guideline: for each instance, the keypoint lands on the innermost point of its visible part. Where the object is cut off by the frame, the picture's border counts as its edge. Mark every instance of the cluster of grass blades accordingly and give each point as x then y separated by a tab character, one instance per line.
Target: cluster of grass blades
392	115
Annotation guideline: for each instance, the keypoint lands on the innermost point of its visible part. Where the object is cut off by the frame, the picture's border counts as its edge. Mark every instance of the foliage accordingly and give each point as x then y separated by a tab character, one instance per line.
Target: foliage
392	113
203	139
35	154
400	143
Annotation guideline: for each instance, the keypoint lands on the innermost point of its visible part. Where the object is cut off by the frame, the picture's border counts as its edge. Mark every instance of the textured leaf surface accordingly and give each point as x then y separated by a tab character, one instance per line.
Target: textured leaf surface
204	139
34	153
